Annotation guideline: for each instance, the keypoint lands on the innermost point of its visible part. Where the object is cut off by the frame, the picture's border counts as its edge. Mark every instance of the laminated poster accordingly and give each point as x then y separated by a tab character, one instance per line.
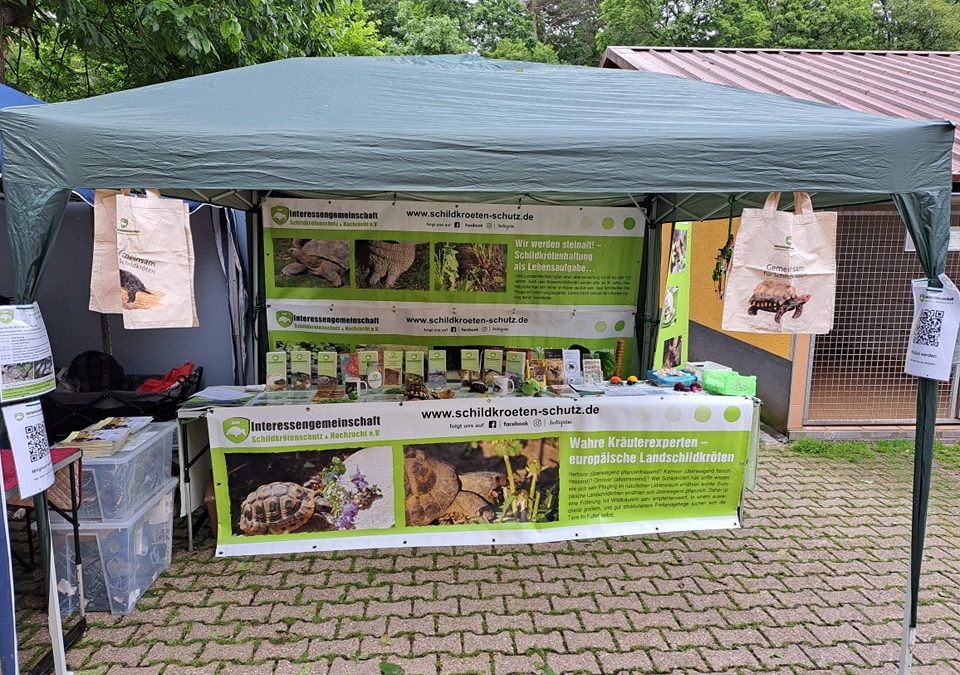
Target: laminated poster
933	334
527	470
26	362
31	453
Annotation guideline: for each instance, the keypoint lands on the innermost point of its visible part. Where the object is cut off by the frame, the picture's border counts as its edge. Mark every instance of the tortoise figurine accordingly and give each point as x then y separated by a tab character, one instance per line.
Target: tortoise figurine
279	508
416	390
779	297
388	260
325	258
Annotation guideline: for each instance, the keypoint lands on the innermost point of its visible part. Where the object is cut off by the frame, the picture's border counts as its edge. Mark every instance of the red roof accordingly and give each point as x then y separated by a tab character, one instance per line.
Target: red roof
915	85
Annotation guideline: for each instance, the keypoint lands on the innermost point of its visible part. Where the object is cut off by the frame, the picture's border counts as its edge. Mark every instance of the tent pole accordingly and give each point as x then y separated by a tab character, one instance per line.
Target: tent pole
648	304
927	391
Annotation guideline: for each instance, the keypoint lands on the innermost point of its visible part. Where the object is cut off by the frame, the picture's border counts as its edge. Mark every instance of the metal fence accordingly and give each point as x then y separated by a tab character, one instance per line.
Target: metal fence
856	371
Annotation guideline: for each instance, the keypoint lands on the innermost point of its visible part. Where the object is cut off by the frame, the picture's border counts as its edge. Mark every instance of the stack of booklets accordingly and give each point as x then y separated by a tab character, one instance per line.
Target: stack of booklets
106	436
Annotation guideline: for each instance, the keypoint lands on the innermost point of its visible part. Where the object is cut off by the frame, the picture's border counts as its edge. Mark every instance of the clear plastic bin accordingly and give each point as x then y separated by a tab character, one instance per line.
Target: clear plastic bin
116	486
120	559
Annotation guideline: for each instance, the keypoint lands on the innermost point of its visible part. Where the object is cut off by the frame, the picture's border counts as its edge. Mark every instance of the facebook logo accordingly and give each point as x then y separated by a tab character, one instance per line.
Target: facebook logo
492	424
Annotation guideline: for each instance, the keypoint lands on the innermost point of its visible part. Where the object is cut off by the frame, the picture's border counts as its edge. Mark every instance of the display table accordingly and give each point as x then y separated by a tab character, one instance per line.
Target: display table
292	475
64	459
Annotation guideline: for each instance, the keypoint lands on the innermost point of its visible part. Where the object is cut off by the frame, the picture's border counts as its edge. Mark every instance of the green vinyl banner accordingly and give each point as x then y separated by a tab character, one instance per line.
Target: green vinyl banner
438	274
674	331
475	471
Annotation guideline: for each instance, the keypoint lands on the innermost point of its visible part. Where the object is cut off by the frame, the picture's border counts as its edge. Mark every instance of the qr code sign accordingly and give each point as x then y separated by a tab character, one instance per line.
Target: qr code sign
929	325
37	442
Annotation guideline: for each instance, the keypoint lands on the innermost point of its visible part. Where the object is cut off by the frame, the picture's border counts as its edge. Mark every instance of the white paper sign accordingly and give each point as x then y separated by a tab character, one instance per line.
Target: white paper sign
933	335
31	453
26	363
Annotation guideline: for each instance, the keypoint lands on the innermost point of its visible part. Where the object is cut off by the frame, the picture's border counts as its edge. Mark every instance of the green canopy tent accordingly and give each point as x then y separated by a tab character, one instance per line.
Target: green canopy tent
467	128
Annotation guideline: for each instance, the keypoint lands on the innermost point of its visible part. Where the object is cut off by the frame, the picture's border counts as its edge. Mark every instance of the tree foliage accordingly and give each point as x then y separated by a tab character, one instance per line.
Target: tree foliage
110	44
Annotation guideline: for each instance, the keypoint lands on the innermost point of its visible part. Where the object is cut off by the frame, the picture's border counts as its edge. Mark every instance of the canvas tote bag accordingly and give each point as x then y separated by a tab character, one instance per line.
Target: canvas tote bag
156	261
104	273
783	275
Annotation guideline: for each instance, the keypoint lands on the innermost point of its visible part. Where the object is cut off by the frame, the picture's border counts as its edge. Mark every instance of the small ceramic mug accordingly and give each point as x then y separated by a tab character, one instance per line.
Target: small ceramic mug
355	387
503	385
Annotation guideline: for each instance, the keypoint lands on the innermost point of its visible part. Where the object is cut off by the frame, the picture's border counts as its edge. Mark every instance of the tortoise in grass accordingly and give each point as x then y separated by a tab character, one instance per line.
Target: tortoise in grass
325	258
779	297
388	260
434	492
282	507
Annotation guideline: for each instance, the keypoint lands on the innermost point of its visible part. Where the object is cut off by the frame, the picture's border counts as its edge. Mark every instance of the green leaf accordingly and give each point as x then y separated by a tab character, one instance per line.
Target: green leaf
387	668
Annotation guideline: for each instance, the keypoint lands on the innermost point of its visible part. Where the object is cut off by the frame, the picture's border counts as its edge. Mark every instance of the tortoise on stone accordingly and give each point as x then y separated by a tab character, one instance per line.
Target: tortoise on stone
325	258
779	297
279	508
434	492
389	259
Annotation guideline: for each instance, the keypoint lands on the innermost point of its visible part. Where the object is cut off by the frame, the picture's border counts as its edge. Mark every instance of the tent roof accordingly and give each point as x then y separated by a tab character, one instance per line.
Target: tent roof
461	127
12	97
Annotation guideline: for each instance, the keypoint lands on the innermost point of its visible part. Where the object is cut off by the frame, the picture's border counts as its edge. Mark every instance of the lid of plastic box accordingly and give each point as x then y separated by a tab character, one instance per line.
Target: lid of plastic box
59	523
134	445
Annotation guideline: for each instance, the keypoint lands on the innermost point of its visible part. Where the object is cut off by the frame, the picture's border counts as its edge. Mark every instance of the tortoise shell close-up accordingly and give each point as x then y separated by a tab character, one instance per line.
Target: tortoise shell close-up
276	508
429	485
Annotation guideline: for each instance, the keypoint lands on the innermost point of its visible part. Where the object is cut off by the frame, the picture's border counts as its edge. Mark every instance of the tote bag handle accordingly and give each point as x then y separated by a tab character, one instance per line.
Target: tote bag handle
801	202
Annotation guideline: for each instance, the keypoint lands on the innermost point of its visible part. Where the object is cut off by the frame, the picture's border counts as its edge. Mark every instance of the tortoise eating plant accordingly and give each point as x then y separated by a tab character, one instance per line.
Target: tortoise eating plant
779	297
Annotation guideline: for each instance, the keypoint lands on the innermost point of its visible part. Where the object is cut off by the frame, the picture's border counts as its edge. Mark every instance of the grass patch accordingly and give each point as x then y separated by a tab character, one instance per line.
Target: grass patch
948	455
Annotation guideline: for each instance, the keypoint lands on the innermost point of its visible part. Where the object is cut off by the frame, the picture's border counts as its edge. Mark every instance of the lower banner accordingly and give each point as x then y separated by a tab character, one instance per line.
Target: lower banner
292	478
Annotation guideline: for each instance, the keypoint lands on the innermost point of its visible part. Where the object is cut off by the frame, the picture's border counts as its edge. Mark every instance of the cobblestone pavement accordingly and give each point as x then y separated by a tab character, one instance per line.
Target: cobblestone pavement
814	583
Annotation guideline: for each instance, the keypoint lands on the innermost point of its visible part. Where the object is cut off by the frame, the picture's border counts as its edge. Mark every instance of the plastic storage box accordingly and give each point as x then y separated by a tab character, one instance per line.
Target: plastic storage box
729	383
697	368
115	487
120	559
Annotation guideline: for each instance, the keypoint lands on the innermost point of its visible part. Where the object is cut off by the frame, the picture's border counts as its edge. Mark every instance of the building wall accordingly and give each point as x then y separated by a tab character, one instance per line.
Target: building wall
65	291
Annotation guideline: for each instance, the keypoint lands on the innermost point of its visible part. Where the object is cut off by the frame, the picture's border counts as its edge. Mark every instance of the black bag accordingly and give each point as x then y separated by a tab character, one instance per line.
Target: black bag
96	371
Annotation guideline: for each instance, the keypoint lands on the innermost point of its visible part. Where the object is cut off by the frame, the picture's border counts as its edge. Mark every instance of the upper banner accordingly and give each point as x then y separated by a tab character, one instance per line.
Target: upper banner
475	471
433	260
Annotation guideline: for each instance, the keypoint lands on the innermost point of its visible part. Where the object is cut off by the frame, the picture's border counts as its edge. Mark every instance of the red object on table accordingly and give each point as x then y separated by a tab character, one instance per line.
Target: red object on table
159	385
10	471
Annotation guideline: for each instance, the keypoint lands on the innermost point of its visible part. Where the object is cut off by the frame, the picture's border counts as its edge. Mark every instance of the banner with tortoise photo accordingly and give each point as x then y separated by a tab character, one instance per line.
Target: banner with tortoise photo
783	274
512	470
361	272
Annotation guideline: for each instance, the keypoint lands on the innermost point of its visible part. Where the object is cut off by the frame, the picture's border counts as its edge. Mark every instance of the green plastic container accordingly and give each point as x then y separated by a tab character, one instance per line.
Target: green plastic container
729	383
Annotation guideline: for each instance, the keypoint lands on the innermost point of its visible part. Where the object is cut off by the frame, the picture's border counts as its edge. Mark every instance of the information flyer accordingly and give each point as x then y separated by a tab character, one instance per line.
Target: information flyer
475	471
933	333
26	362
31	452
444	274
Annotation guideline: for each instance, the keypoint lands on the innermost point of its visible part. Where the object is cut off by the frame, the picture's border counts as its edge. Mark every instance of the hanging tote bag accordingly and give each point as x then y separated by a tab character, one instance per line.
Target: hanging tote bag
156	262
104	273
783	275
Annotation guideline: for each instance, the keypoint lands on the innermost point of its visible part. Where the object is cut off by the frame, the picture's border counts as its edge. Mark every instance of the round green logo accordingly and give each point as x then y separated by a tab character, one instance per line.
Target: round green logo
629	223
586	222
702	414
600	326
731	414
619	325
607	223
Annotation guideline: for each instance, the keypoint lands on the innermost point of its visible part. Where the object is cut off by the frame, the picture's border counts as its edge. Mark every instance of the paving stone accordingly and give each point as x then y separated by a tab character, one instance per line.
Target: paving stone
465	665
533	642
565	663
506	664
162	652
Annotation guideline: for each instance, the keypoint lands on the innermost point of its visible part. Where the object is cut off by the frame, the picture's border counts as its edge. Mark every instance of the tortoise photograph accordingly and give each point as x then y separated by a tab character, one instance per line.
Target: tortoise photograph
777	297
311	263
483	482
469	268
134	294
393	265
678	252
673	352
311	491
